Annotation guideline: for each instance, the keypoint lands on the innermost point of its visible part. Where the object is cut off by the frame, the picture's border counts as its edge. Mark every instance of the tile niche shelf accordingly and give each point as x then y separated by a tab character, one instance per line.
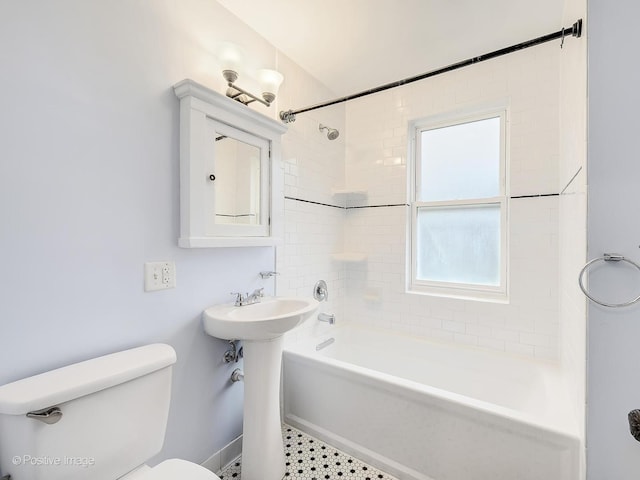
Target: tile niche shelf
349	196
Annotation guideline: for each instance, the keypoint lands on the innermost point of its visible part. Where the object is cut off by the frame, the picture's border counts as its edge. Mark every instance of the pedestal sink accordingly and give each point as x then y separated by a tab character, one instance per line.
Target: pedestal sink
261	326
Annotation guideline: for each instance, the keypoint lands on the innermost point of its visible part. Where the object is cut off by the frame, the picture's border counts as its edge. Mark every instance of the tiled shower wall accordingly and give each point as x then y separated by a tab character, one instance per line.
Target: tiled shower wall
376	160
314	217
367	279
573	212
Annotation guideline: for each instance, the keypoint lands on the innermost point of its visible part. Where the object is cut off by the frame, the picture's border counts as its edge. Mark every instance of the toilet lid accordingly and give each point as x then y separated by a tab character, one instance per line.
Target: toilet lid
179	469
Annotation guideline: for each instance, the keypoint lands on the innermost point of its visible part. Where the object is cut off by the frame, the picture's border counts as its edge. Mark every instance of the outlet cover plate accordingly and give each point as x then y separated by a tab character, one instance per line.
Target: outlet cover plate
159	276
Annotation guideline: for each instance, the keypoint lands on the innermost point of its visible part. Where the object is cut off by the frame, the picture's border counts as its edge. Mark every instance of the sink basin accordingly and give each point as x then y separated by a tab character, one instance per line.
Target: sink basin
270	318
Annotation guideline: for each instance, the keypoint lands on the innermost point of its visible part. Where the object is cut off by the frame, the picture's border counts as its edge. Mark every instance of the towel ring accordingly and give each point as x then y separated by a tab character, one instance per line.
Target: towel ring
608	257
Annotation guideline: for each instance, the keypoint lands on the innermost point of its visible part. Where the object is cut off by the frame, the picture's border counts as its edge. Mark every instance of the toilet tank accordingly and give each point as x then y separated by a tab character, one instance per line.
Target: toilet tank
114	415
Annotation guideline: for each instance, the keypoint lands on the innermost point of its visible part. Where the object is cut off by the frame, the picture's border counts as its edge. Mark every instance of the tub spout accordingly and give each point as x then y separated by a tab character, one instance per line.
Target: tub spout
326	317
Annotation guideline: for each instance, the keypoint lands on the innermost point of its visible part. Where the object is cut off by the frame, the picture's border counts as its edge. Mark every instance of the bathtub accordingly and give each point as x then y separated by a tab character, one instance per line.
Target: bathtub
430	411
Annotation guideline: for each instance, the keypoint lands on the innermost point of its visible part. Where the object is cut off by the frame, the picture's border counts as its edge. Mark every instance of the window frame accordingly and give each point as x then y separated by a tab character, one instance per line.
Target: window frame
497	293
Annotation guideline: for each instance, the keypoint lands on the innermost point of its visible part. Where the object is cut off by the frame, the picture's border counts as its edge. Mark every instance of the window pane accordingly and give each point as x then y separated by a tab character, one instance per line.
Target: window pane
460	161
459	244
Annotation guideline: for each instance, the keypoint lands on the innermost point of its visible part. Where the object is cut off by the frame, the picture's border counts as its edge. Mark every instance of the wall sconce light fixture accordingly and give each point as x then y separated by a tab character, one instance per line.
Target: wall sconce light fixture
269	80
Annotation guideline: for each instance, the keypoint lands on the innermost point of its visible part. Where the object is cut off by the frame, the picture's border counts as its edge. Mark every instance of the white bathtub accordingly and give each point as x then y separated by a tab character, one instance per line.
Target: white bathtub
431	411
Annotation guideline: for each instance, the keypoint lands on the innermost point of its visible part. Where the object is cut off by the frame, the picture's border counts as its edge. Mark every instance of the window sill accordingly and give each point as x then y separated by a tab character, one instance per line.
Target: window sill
459	294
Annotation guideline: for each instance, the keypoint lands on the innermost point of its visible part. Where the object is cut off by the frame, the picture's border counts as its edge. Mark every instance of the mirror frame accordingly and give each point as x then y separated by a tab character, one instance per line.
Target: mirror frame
199	105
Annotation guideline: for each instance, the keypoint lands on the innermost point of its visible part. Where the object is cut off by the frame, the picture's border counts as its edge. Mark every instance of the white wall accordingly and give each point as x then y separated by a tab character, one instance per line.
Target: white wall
376	161
573	211
89	192
613	226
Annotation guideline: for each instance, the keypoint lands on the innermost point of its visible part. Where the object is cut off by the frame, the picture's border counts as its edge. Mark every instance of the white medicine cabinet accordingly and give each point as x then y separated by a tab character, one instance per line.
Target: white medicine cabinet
230	171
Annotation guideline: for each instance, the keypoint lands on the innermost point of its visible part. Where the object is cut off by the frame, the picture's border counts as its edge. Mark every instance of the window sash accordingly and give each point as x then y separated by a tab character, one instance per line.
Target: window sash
443	123
451	288
432	155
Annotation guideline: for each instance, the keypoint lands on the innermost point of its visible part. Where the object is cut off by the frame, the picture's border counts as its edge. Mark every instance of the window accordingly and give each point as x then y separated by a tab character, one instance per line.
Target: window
459	207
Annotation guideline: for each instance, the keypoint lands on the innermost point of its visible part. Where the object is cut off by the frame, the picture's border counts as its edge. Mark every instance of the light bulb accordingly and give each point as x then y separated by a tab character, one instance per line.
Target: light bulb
270	81
230	60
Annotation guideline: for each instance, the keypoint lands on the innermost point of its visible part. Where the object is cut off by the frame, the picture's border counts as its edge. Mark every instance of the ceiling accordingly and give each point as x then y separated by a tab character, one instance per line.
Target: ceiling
355	45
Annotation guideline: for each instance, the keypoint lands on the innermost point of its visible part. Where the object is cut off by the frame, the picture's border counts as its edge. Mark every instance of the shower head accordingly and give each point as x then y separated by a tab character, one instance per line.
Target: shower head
332	133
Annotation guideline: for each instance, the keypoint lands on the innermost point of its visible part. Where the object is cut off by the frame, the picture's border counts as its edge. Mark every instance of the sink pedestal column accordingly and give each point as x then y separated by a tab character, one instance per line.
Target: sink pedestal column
262	448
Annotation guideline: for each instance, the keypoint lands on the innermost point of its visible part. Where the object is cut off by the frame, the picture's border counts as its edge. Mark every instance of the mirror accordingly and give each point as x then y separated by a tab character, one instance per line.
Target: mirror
237	182
230	174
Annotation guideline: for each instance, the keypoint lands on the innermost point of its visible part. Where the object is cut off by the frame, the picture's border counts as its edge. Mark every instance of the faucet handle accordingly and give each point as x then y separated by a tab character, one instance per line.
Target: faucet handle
240	298
320	291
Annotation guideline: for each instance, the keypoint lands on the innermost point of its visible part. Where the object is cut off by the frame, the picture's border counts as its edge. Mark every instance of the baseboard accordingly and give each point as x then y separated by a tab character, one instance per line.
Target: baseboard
358	451
224	457
221	459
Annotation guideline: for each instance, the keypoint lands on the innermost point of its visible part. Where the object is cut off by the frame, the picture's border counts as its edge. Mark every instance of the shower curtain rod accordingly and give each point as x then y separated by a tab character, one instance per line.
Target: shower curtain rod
575	31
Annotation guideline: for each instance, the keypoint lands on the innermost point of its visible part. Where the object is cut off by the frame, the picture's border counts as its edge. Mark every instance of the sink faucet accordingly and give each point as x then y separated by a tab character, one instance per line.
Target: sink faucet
248	299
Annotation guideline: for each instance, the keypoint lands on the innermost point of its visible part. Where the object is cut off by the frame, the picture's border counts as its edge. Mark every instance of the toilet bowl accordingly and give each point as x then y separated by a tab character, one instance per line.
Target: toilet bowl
171	470
101	419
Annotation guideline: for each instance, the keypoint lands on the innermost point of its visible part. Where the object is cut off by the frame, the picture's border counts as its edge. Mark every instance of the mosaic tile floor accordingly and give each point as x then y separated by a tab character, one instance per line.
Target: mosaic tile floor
311	459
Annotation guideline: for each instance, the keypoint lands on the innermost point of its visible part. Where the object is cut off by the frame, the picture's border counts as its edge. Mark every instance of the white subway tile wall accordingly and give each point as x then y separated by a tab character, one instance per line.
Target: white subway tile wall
314	232
573	214
376	161
372	161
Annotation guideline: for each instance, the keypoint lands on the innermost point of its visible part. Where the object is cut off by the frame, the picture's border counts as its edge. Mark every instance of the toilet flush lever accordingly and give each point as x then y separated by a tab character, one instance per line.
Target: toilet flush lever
49	415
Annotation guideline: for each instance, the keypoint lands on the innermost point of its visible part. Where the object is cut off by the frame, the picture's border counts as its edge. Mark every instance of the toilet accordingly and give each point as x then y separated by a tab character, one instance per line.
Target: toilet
100	420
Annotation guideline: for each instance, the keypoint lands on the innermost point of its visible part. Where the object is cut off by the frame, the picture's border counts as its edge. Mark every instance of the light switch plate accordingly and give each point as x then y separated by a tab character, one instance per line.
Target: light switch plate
159	276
